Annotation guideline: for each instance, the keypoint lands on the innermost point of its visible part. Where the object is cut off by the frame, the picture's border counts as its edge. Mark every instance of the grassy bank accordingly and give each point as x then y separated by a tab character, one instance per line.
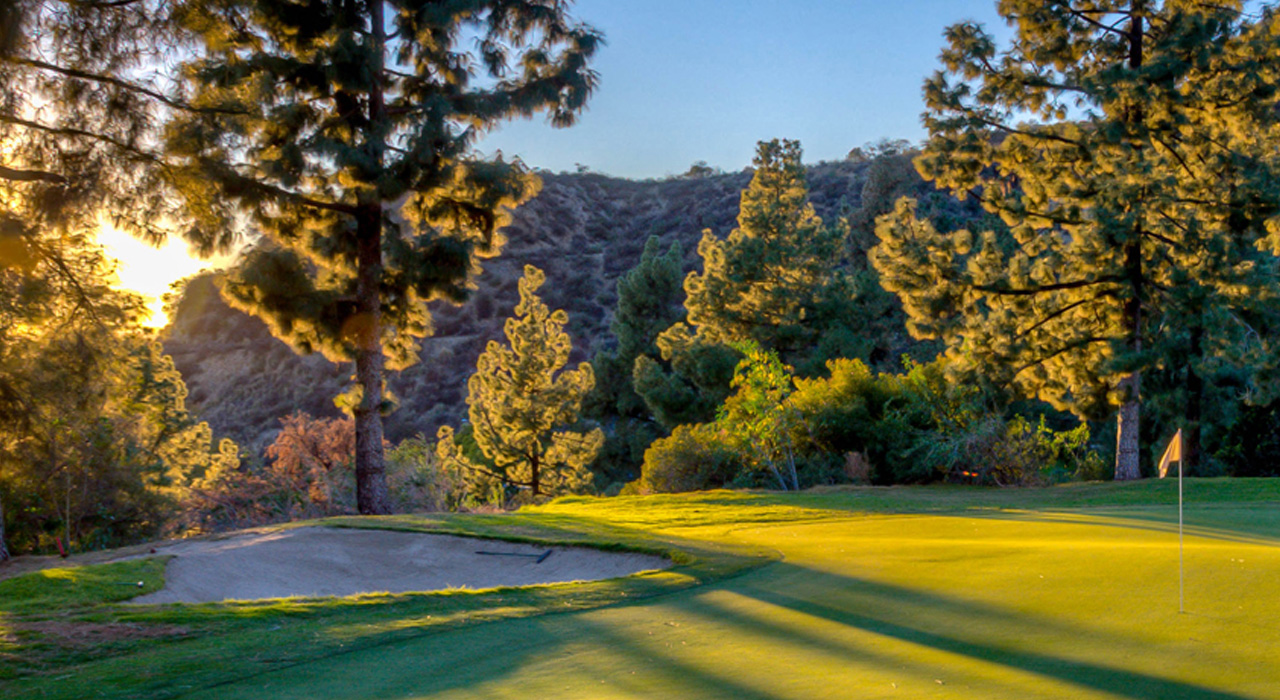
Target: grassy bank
1066	591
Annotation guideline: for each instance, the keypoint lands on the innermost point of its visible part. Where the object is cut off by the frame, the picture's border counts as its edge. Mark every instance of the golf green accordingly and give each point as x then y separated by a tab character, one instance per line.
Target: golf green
1006	604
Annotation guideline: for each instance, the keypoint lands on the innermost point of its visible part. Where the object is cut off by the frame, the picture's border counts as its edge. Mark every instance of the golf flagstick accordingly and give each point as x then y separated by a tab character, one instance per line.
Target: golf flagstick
1173	453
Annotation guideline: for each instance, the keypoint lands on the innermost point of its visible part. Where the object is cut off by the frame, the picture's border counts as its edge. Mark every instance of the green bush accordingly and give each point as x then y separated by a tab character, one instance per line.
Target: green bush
694	457
420	481
857	425
883	417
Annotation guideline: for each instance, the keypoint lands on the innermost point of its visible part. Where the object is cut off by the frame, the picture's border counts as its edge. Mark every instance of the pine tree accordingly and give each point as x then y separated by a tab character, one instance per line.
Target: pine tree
343	131
79	121
522	405
770	278
96	445
780	280
649	297
1118	144
649	302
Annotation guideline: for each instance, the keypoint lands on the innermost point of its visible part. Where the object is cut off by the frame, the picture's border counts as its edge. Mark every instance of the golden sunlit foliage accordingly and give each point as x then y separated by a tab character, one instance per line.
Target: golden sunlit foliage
523	404
1128	150
345	135
96	445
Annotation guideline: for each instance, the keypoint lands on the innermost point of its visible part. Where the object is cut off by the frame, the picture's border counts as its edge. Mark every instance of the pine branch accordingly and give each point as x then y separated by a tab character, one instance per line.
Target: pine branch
18	175
124	84
1064	310
1165	239
1181	161
103	4
1022	132
468	464
81	133
1057	286
1073	345
1083	16
279	192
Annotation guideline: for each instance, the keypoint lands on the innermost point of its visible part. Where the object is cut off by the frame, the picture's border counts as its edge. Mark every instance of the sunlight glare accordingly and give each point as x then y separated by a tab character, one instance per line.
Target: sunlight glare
149	271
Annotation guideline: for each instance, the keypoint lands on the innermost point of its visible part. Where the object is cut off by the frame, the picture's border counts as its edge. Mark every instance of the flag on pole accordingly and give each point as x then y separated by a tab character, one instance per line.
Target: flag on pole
1172	453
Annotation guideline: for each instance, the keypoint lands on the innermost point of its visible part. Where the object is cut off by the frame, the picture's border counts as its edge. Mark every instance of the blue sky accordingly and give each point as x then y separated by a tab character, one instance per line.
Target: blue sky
690	80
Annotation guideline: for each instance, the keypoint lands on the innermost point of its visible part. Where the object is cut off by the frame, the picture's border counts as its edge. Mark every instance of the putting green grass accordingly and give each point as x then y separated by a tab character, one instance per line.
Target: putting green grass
1055	593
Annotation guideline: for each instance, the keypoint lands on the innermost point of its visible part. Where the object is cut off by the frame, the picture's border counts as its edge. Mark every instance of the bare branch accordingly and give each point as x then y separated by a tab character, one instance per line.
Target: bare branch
18	175
1058	286
132	87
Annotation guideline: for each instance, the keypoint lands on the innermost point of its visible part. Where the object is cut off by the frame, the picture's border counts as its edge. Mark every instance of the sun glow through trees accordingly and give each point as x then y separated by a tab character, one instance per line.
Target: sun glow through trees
149	271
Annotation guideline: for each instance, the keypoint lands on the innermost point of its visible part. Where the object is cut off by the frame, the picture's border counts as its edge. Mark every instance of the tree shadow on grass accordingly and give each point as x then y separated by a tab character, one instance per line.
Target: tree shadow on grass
1236	529
493	656
876	608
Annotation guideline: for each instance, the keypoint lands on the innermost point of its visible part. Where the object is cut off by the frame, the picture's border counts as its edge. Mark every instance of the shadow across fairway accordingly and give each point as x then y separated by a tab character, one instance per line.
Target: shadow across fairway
664	668
876	608
762	609
1201	521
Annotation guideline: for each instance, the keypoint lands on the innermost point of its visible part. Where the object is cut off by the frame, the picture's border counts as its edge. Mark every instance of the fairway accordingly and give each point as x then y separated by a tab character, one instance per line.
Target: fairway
1002	604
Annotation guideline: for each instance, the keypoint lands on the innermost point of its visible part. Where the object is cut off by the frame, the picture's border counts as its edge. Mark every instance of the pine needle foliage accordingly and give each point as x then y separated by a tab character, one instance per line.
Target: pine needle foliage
342	131
768	281
649	302
523	403
1123	145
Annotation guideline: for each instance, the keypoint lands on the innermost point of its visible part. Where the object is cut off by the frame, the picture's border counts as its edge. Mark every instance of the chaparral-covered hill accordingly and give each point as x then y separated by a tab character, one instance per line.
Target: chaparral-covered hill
584	230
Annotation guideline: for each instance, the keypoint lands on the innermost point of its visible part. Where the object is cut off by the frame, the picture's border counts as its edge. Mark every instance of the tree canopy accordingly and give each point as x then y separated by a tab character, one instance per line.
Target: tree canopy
770	280
1123	145
343	132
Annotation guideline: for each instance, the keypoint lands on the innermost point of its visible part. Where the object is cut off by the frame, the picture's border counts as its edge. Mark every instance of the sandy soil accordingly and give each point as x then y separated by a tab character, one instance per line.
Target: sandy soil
321	561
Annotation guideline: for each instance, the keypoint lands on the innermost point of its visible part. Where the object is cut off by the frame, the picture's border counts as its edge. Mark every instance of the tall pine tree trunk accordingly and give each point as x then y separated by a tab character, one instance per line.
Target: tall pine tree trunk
1128	445
535	482
1128	448
371	477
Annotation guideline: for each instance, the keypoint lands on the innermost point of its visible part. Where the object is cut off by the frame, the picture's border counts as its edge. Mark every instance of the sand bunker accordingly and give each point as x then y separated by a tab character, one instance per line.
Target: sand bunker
321	561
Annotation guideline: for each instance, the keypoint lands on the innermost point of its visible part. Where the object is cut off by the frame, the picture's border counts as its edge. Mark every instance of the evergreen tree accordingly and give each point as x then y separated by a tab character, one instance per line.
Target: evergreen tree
689	381
522	405
78	124
770	280
343	132
85	399
649	297
1118	143
96	444
780	280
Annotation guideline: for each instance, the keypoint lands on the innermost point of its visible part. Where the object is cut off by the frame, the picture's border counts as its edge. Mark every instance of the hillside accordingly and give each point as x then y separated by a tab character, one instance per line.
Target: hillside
584	230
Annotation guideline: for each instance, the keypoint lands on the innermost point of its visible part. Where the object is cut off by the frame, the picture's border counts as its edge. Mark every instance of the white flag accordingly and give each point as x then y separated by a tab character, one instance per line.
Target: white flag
1172	453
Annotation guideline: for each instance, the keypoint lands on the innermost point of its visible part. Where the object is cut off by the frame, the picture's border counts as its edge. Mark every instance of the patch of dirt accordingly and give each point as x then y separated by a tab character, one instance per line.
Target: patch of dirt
81	635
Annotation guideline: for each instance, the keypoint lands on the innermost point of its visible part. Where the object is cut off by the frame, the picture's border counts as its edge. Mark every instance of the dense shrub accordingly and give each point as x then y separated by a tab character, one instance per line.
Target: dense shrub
853	410
419	481
312	474
693	457
861	426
